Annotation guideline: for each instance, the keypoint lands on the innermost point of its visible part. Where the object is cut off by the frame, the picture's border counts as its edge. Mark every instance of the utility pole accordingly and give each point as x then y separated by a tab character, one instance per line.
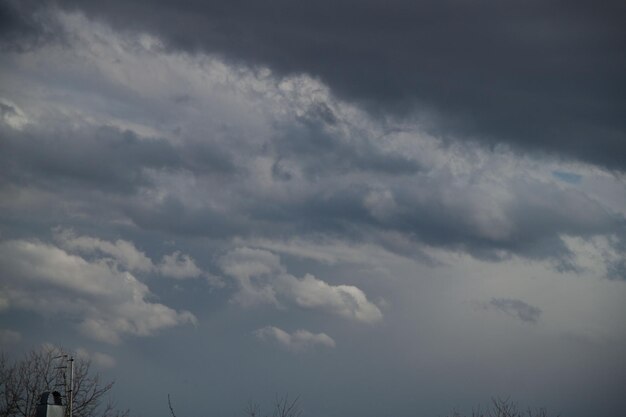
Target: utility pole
70	392
69	388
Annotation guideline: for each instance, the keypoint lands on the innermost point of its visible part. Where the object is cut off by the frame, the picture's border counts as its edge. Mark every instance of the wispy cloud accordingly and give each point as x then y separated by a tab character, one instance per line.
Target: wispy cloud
517	308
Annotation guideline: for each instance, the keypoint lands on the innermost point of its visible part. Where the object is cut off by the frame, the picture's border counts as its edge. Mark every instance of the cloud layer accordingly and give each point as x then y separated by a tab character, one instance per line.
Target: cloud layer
223	151
406	179
538	75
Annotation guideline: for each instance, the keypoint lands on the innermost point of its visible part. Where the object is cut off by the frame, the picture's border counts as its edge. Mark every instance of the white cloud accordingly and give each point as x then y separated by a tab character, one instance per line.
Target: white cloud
108	303
263	280
298	341
179	266
175	265
122	251
345	300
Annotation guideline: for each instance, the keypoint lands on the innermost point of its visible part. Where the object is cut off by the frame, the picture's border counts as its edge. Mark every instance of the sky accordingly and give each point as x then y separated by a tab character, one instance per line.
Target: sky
384	208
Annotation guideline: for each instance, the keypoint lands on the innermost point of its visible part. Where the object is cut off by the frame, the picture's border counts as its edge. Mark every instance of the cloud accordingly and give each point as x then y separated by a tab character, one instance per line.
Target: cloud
345	300
25	25
262	279
124	252
179	266
517	308
9	337
317	188
107	303
225	151
600	255
298	341
476	70
101	360
175	265
12	115
107	157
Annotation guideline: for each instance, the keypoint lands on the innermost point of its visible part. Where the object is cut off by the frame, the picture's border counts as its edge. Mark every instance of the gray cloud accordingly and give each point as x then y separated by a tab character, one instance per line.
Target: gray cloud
617	270
277	193
9	337
319	149
99	359
105	157
517	308
540	75
297	161
25	25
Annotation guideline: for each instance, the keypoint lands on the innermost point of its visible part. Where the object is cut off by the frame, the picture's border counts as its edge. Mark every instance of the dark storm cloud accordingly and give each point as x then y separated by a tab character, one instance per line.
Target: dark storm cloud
319	150
282	159
517	308
172	215
540	75
106	158
7	110
25	25
425	207
616	269
535	221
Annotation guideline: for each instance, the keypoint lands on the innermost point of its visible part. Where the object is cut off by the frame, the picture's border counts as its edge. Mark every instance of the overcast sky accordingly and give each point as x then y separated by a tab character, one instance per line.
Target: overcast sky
388	208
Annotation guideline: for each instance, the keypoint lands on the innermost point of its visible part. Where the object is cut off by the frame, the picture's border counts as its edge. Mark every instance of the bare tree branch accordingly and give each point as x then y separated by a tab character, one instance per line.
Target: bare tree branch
22	381
169	402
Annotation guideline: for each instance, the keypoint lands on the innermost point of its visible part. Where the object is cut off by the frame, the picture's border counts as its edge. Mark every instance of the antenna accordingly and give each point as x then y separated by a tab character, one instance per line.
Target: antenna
69	388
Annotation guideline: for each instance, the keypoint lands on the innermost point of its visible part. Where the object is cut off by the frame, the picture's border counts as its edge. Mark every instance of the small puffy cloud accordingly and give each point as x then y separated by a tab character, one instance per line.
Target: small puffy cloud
298	341
12	115
262	279
179	266
248	262
9	337
380	204
517	308
99	359
345	300
254	271
107	303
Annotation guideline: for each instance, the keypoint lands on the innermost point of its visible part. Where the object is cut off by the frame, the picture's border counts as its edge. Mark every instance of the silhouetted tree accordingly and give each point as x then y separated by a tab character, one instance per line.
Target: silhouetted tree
23	380
504	408
283	407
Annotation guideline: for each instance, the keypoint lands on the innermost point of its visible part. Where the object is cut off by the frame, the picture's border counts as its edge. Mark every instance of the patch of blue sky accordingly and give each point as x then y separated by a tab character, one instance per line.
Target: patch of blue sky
568	177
